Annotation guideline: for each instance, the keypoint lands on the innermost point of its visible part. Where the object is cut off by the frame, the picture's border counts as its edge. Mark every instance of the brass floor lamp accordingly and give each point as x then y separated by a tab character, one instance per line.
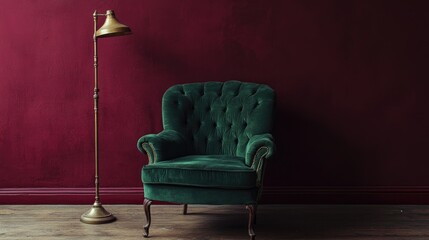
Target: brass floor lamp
111	28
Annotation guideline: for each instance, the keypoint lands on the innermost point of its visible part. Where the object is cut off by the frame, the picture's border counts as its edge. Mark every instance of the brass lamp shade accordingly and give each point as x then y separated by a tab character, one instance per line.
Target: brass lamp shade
112	27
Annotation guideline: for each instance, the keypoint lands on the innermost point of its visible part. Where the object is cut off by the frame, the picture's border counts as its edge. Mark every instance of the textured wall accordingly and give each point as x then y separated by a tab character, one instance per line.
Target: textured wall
351	79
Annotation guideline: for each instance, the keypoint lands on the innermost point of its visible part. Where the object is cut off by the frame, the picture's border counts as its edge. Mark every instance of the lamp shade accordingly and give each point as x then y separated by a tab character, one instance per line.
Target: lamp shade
112	27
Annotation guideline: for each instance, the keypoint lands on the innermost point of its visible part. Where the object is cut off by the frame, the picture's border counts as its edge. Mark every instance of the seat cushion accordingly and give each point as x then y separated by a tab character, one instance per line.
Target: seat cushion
199	195
215	171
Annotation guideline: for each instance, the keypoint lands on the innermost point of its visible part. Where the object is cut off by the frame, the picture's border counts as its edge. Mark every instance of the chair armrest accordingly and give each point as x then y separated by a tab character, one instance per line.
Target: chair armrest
165	145
259	148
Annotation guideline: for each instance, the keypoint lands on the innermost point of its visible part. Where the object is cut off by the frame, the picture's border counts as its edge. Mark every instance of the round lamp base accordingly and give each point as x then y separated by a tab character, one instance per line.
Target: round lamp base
97	215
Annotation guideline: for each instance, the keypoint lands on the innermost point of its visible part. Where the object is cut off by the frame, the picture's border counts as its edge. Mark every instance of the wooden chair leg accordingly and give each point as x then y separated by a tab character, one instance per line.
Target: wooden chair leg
185	209
146	205
251	210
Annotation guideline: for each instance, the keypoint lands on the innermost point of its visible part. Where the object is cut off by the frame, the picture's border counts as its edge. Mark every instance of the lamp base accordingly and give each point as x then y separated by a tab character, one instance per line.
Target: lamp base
97	215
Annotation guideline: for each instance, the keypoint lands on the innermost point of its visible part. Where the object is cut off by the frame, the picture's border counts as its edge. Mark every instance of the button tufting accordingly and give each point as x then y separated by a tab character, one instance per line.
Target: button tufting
255	105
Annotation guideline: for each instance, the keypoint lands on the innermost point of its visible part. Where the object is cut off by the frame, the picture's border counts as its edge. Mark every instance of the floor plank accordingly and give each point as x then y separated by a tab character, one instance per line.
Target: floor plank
310	222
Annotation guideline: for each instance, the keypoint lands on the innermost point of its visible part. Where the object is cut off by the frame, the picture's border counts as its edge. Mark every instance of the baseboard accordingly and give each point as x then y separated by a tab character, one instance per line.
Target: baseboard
123	195
346	195
271	195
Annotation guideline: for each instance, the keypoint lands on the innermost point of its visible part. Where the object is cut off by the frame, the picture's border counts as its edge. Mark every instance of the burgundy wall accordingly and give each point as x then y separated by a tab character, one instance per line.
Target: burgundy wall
352	122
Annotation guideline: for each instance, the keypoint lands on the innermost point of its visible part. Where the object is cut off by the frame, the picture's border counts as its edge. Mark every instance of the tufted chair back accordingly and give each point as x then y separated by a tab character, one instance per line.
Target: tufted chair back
218	118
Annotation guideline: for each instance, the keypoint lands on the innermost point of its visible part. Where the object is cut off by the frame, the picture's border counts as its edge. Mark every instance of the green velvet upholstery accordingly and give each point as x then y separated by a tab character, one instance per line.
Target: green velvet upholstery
197	195
216	138
211	171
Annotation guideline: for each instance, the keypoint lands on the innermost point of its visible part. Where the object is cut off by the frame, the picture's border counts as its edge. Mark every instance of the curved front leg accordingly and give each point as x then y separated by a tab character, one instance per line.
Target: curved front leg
251	210
146	205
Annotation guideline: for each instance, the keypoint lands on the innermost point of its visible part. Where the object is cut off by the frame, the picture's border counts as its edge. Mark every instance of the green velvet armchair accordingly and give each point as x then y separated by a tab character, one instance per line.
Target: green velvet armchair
216	138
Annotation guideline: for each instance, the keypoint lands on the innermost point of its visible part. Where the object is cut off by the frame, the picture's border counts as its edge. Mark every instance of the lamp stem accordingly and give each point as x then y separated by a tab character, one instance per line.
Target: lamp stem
96	96
97	214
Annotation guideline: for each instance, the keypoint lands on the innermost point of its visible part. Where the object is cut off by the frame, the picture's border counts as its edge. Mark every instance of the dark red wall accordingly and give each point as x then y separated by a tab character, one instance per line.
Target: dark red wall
352	120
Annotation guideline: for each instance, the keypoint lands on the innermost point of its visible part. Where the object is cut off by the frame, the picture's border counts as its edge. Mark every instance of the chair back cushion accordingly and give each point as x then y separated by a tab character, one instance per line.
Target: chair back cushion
218	117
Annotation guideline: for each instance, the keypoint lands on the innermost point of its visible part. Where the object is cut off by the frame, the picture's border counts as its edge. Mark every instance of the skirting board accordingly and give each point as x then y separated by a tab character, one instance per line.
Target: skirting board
270	195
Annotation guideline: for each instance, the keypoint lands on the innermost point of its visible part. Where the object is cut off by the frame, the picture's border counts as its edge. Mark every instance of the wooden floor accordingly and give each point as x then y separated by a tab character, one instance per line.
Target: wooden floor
307	222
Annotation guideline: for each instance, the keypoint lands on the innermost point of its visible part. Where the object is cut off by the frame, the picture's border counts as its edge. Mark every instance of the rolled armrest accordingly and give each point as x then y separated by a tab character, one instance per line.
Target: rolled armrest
165	145
259	148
